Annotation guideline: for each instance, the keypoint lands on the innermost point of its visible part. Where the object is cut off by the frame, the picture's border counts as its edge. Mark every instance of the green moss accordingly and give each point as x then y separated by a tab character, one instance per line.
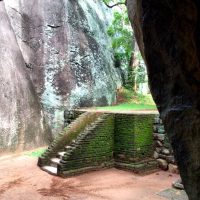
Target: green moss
133	136
69	134
128	136
96	149
36	153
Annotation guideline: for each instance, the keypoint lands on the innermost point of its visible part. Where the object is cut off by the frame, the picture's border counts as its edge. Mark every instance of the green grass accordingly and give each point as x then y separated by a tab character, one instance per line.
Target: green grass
128	107
131	101
36	153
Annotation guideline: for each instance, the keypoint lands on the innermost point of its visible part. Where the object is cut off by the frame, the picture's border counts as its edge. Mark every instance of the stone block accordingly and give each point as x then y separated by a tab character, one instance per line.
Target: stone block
163	164
173	169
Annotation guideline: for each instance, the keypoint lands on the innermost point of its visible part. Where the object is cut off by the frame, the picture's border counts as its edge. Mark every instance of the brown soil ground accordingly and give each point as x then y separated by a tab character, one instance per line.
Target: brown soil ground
21	179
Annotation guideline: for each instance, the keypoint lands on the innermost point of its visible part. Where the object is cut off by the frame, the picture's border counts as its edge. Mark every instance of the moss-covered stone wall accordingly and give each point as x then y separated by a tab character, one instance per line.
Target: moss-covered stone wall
133	142
93	150
133	137
121	140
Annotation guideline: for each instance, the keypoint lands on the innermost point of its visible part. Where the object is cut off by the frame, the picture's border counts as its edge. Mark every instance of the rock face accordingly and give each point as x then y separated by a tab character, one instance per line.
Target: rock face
170	34
22	125
66	49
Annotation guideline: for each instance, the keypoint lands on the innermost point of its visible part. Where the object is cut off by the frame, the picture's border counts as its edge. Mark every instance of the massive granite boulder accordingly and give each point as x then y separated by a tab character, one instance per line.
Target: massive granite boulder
22	125
67	52
169	39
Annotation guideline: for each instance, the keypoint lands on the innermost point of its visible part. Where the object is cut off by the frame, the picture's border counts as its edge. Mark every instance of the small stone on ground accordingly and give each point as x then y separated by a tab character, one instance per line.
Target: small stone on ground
173	194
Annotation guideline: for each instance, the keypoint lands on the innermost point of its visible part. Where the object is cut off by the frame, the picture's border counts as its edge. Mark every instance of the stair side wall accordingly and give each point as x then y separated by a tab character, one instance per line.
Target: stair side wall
93	152
67	136
133	141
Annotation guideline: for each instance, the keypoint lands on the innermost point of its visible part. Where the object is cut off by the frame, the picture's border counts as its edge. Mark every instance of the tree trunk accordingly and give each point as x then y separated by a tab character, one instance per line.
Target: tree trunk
169	30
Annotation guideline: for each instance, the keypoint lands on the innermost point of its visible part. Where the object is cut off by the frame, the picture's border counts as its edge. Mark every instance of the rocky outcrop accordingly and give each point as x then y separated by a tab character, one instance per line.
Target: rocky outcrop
170	34
67	53
22	124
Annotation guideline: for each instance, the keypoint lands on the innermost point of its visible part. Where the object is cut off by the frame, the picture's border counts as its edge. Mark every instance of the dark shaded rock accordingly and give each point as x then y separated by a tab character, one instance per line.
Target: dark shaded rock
158	149
170	31
22	125
160	137
178	184
163	156
158	143
171	159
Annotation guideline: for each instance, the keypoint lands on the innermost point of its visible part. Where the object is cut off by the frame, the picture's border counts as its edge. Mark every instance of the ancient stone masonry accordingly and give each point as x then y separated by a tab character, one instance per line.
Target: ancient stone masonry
133	140
97	140
70	116
92	149
163	150
67	136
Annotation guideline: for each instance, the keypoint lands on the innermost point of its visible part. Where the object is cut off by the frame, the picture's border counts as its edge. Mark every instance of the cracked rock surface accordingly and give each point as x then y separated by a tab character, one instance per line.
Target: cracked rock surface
22	124
67	53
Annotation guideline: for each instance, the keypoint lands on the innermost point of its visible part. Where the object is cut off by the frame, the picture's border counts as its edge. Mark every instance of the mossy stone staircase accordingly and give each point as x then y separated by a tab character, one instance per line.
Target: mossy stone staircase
100	140
54	159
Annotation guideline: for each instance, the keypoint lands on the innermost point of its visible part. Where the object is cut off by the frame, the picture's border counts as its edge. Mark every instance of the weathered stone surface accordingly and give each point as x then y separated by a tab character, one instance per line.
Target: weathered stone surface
158	136
169	31
166	151
156	155
178	184
22	125
171	159
173	169
163	164
173	194
158	150
67	51
158	143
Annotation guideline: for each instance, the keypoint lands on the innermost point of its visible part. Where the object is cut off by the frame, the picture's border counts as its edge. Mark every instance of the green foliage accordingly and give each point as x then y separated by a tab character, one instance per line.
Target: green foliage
143	99
129	96
122	37
123	45
140	73
132	101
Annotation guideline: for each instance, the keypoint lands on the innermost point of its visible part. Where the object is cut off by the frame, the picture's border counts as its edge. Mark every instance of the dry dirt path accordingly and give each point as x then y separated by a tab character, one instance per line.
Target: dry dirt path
21	179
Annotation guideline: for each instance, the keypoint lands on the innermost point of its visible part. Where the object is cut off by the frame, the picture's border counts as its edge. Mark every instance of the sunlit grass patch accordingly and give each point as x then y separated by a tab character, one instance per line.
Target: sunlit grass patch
128	107
36	153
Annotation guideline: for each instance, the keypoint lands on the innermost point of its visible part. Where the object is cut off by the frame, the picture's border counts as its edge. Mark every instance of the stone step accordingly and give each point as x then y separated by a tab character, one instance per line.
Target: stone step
67	147
51	170
55	161
61	154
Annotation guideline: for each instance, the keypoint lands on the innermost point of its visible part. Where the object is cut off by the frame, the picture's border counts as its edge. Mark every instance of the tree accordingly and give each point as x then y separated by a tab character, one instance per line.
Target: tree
107	3
122	38
123	44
